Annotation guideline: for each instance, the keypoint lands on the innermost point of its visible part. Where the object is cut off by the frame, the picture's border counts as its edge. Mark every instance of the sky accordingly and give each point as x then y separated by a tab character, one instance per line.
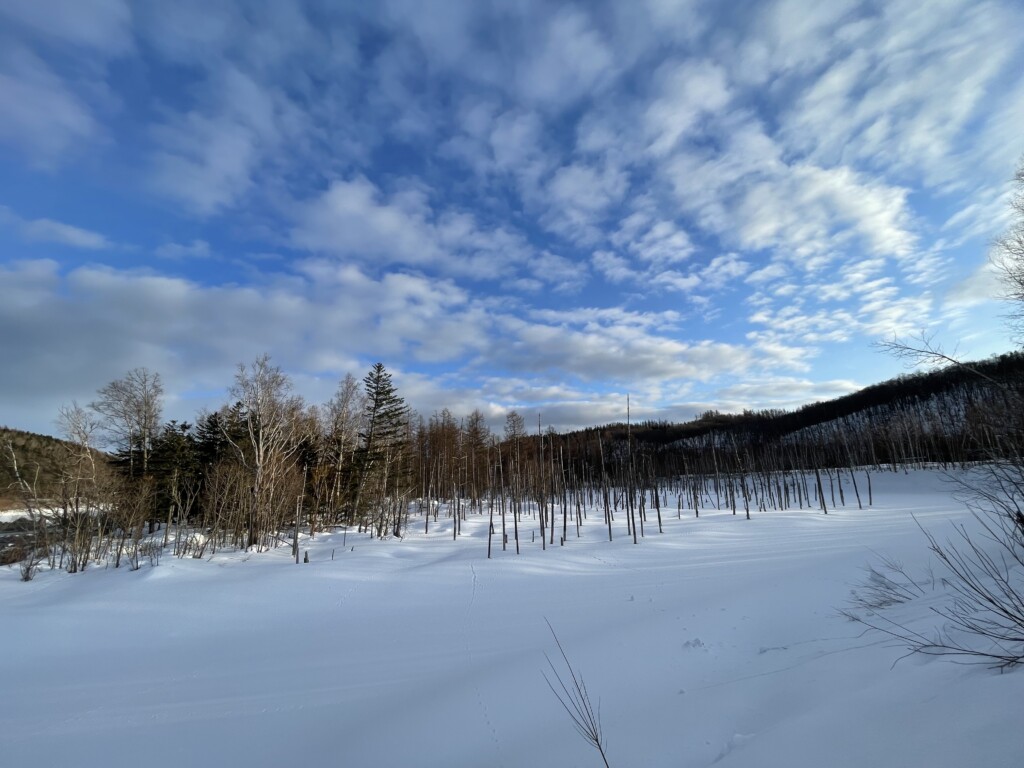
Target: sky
512	204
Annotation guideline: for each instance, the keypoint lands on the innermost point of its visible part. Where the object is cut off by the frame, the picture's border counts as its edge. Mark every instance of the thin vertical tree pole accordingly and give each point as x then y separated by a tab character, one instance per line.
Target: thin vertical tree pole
821	492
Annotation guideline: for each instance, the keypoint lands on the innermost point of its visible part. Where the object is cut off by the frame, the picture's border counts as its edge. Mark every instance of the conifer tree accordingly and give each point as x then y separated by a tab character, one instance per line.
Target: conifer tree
383	464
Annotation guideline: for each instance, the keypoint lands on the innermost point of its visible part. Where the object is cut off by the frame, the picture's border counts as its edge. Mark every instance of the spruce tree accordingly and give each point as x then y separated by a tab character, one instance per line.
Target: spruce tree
383	468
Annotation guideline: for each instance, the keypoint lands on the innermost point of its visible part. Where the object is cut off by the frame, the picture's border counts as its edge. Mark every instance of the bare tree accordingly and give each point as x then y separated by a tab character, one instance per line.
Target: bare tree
1008	254
85	489
272	421
339	430
131	409
28	490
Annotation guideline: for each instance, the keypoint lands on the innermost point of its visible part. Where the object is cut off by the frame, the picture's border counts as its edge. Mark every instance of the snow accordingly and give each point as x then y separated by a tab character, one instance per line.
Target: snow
719	642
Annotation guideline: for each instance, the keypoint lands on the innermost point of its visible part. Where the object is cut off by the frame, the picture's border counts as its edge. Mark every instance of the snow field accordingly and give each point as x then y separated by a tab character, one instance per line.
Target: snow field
718	642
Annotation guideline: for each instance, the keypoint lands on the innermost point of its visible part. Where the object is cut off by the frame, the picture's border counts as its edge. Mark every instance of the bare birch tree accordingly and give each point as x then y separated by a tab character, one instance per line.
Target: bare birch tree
272	420
131	408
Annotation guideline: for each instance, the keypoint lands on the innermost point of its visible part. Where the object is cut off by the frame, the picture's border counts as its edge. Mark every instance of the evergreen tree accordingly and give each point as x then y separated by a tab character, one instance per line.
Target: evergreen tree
174	464
382	459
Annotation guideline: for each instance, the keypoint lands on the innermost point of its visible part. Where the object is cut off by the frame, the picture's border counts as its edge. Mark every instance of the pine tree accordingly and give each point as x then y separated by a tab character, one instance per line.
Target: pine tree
383	465
174	463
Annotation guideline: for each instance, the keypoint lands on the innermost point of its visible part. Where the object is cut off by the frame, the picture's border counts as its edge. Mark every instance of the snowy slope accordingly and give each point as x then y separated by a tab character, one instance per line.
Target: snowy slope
717	642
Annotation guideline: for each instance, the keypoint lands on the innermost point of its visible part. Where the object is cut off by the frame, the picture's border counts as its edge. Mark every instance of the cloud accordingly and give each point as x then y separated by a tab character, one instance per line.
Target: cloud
981	286
572	60
676	281
790	178
782	392
564	275
652	239
206	164
43	116
194	334
209	157
773	271
355	219
197	249
104	26
690	91
49	231
793	324
597	351
614	268
352	218
578	196
724	270
597	317
810	211
886	82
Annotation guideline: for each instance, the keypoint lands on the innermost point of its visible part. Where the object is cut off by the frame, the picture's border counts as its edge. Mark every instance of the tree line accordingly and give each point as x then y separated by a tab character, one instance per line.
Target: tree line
267	465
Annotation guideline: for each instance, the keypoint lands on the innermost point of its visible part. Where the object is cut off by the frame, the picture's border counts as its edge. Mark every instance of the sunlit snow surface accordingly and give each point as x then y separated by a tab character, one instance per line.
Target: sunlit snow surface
718	642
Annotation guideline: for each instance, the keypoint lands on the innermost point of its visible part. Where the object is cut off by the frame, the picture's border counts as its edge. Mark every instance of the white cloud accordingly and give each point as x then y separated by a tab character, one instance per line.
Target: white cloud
598	354
578	196
195	334
592	318
197	249
353	219
191	31
906	86
723	270
50	231
449	168
565	275
614	268
515	139
208	157
782	392
773	271
791	323
673	280
981	286
653	240
571	61
206	164
101	25
689	90
799	34
706	182
43	116
810	211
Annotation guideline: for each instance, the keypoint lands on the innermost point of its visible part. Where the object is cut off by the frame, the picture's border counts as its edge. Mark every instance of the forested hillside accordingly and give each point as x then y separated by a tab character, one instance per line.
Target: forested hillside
39	461
955	414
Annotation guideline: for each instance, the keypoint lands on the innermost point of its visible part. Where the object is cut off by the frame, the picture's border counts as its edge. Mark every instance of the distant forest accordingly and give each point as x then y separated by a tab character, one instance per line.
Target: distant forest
268	465
957	395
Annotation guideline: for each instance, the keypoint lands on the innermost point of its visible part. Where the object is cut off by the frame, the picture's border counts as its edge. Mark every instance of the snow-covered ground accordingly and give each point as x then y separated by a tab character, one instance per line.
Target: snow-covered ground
718	642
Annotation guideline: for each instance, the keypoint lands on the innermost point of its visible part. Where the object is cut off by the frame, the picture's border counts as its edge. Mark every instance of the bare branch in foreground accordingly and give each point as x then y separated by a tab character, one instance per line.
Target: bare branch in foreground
573	697
984	615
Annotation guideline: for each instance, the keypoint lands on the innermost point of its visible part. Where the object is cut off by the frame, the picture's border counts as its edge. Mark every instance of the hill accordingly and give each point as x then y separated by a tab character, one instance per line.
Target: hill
40	457
964	383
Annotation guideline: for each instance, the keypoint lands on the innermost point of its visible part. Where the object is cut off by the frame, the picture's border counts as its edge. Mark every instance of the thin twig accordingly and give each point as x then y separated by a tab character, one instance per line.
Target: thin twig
575	700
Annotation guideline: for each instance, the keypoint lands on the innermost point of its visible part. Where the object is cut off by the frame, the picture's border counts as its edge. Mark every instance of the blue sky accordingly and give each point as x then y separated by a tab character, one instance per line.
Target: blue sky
532	205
